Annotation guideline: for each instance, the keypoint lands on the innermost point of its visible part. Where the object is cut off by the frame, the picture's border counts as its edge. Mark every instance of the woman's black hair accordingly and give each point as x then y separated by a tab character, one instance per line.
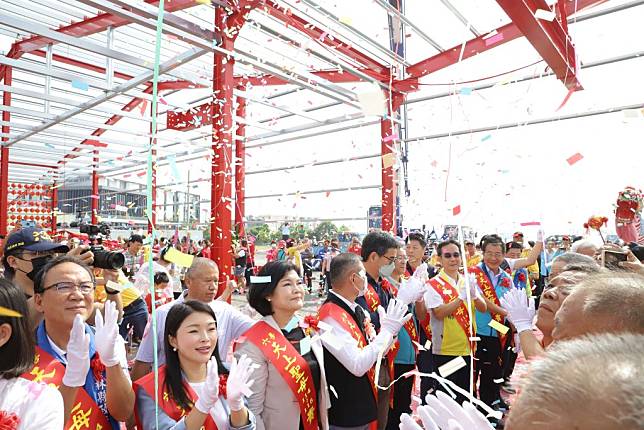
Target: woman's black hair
161	278
173	376
17	355
258	292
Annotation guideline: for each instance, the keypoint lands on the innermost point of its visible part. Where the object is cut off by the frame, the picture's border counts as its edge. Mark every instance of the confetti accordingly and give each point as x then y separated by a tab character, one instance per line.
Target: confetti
451	366
456	210
574	158
545	15
465	91
393	136
498	326
494	39
346	20
80	85
388	160
486	137
530	223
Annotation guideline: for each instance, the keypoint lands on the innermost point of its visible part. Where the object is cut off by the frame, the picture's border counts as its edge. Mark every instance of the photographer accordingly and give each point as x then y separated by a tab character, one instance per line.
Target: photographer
26	251
133	261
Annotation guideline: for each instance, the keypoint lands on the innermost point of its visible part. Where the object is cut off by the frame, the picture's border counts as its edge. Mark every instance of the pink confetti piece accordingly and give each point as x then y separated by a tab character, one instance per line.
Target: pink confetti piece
494	39
530	223
574	158
456	210
390	138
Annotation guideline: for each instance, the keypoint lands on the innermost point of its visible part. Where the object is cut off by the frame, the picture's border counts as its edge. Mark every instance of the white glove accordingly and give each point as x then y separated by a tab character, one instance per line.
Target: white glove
421	273
426	418
209	392
393	320
540	235
408	423
411	290
106	338
238	384
451	416
77	355
520	309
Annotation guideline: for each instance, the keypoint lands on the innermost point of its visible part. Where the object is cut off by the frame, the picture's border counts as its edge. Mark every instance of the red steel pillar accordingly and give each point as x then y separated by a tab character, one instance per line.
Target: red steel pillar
240	169
54	207
94	197
4	163
222	130
389	136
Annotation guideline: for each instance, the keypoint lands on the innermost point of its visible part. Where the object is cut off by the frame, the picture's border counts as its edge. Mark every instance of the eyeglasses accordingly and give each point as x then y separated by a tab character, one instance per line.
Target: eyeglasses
85	288
451	254
402	258
391	259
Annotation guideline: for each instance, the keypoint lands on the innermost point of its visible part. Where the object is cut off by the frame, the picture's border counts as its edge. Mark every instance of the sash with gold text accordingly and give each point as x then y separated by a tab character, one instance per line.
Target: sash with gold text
490	293
448	293
291	365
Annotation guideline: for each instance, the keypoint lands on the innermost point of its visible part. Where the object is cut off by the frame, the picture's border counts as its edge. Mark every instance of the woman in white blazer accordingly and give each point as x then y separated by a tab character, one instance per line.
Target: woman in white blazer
289	391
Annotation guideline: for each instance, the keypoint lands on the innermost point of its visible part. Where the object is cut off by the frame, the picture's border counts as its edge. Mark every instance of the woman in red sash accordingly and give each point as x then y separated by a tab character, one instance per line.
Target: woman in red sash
289	389
195	390
24	404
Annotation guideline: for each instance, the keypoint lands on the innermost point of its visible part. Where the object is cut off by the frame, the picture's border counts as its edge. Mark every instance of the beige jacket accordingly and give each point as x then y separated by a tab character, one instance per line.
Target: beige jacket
272	402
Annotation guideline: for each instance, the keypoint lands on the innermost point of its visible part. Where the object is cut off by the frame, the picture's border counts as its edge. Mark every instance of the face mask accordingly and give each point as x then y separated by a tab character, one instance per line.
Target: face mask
362	291
37	264
387	270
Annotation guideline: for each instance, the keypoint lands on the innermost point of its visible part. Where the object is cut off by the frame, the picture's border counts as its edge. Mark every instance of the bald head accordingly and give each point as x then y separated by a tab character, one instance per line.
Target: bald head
606	302
590	383
199	264
202	280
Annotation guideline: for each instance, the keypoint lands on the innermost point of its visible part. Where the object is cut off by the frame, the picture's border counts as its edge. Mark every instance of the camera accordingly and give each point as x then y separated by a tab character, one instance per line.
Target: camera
103	259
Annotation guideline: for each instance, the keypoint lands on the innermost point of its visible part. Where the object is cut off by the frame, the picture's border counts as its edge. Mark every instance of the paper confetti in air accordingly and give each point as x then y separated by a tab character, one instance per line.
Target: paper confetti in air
465	91
530	223
179	258
388	160
456	210
373	102
498	326
486	137
451	366
545	15
494	39
574	158
391	137
80	85
9	313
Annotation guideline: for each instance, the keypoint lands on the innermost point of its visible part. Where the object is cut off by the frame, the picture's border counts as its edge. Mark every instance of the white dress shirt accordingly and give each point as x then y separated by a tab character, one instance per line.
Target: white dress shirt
344	347
231	324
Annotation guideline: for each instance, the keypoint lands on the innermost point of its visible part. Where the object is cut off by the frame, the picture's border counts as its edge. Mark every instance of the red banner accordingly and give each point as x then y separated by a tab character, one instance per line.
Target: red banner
85	413
291	365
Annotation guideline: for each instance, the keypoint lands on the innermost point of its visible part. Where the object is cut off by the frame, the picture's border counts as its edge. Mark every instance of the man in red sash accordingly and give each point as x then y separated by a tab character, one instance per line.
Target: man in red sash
379	251
415	248
349	356
494	283
450	314
89	366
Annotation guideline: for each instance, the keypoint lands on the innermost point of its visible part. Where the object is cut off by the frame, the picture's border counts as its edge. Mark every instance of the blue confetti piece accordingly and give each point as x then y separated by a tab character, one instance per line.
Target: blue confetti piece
486	137
466	91
80	85
49	145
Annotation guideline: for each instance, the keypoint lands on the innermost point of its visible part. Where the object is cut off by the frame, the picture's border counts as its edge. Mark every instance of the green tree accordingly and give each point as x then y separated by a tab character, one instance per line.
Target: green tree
262	233
325	228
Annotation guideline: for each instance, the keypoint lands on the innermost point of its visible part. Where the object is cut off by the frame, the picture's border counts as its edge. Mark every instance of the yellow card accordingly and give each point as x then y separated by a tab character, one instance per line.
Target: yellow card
9	312
178	258
388	160
498	327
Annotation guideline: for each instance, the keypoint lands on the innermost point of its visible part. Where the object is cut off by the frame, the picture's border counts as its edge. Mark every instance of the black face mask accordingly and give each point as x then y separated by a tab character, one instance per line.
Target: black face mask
37	264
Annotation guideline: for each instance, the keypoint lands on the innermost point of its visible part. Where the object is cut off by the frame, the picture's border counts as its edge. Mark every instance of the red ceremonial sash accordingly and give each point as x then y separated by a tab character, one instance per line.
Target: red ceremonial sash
85	413
166	403
448	293
291	365
490	293
373	301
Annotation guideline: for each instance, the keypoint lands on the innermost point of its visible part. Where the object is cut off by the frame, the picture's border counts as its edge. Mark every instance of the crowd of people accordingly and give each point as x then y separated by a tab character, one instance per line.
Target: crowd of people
494	334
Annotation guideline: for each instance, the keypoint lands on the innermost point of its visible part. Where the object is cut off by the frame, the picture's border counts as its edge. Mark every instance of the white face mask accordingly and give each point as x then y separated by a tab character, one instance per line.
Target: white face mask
387	269
362	291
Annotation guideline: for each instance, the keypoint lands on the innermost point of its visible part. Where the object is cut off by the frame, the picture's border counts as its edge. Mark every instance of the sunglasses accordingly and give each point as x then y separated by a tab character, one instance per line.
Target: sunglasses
451	254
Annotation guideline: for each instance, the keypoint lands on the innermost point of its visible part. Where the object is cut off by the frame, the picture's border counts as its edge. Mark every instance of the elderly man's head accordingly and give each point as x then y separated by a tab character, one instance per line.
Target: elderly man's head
585	247
591	383
554	293
583	262
608	302
347	275
202	280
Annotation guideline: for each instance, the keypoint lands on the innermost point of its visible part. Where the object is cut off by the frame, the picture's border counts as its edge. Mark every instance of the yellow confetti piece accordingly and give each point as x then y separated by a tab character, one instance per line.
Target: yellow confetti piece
9	312
346	20
203	2
498	326
388	160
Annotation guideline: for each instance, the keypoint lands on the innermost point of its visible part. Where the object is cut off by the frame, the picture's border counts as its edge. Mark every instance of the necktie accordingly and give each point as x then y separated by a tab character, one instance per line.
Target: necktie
360	317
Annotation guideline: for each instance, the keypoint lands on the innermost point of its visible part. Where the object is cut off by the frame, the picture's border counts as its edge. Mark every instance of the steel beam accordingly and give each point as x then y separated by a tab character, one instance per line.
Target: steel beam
4	153
126	86
549	38
240	170
392	11
222	129
473	47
